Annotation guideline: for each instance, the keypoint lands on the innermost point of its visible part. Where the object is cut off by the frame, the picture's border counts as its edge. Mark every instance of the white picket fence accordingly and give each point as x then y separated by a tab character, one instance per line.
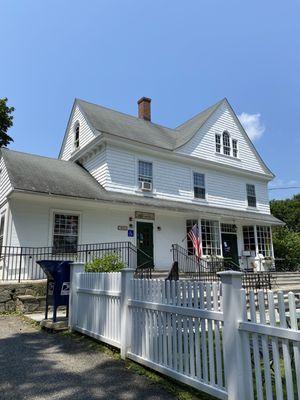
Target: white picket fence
271	346
98	306
206	335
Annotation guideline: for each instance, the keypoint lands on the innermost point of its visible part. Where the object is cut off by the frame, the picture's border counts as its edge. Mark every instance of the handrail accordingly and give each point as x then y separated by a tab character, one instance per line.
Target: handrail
19	263
150	259
188	263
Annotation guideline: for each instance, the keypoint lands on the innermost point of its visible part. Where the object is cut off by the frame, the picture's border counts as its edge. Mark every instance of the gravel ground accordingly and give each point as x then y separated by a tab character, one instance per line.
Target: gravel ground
38	365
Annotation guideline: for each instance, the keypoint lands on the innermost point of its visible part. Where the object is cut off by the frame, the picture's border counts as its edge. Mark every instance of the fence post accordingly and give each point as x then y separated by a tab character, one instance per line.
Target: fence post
126	293
232	342
75	269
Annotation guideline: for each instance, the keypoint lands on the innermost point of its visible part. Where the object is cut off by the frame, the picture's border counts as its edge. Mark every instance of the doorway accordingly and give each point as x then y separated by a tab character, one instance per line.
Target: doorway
230	247
144	243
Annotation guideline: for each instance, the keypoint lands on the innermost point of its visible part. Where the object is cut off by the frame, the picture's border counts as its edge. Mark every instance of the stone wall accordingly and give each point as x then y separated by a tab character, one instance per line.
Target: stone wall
24	297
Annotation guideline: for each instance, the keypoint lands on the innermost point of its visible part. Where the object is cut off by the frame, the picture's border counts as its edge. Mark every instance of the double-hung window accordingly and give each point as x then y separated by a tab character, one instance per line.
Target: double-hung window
226	143
145	173
218	143
199	185
264	240
65	233
210	235
251	196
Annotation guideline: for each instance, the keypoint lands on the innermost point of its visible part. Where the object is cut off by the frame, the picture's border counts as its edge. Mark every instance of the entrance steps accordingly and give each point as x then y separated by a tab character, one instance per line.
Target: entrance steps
287	282
160	273
284	281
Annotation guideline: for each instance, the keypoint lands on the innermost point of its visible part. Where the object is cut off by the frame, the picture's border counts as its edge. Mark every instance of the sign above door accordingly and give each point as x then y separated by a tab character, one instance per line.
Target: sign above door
144	215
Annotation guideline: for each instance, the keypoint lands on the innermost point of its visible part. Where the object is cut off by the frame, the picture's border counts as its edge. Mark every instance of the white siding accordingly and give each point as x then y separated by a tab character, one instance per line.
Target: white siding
121	170
86	134
202	145
174	181
97	166
5	185
97	224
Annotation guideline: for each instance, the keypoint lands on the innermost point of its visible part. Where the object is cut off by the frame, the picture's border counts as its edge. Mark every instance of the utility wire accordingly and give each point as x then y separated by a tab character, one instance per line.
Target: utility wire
284	188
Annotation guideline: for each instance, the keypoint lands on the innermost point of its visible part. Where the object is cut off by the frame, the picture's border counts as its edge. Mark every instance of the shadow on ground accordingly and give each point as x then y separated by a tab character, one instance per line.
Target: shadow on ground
38	365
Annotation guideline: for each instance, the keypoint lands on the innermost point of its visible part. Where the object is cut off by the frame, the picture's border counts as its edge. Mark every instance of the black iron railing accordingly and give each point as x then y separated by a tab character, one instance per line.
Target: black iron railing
207	269
200	269
19	263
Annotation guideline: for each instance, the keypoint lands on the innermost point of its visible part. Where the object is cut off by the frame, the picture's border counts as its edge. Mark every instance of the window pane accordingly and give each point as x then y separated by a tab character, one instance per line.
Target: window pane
76	139
249	238
251	196
264	240
2	231
199	186
218	143
210	235
234	148
228	228
145	171
65	233
226	143
198	179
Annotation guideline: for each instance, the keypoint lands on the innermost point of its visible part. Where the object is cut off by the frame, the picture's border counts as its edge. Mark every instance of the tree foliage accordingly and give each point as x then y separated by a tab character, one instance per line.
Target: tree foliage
286	240
6	122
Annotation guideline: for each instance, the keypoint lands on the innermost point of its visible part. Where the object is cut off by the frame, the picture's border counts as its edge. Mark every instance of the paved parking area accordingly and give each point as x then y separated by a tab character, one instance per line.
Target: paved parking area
38	365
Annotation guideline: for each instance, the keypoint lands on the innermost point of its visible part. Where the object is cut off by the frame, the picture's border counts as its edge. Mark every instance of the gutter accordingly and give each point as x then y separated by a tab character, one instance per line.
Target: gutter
225	212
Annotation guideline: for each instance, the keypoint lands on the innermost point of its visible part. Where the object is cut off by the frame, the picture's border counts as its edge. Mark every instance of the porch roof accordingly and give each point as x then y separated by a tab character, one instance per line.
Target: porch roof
42	175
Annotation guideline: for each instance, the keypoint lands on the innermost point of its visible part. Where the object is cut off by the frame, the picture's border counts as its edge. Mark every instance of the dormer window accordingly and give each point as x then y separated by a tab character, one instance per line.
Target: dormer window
226	143
76	135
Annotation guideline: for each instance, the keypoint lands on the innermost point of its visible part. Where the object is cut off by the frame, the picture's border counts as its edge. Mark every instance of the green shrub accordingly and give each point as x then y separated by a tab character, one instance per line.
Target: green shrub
109	263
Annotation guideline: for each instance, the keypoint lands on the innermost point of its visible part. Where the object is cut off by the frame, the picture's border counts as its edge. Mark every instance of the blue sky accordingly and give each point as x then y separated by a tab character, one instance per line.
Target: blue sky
185	55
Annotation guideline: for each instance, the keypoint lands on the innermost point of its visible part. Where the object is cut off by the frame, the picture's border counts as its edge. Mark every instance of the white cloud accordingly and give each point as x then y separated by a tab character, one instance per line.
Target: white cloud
252	125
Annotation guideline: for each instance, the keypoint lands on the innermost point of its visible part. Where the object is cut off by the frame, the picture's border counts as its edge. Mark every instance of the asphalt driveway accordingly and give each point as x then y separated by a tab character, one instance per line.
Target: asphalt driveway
38	365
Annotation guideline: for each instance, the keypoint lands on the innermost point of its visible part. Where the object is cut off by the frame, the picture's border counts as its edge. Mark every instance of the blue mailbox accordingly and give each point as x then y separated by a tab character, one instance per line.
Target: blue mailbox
58	284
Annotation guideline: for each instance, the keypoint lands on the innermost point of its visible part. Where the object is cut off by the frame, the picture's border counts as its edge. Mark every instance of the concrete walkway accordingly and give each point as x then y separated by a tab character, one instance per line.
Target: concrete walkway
39	365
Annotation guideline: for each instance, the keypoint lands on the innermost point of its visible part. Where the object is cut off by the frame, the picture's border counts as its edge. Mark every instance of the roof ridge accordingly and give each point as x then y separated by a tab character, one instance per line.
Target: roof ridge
128	115
34	155
202	112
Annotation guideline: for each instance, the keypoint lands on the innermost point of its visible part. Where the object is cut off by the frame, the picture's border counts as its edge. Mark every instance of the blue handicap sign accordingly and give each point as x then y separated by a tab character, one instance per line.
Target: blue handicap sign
130	233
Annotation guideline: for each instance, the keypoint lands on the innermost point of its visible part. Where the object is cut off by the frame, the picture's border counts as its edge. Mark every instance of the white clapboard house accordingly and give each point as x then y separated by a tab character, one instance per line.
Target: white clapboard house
123	178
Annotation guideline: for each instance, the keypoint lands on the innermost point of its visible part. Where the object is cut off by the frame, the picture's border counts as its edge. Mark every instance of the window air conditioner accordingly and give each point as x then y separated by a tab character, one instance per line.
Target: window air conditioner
146	186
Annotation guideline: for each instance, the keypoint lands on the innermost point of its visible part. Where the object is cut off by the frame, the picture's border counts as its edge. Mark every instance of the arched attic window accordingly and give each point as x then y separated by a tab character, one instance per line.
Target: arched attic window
76	135
226	143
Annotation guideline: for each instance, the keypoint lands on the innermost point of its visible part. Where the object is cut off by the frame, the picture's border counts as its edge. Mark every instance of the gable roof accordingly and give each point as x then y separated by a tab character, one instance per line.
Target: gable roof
105	120
189	128
32	173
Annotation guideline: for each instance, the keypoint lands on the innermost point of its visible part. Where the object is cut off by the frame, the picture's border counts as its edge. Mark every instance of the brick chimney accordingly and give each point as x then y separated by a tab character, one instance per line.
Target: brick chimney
144	105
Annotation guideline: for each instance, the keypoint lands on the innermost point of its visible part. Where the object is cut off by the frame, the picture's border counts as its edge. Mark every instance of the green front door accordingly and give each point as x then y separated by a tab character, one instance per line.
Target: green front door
145	244
230	248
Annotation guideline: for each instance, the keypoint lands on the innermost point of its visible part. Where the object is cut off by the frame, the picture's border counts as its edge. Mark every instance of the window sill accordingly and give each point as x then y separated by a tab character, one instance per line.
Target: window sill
198	200
226	156
252	208
74	151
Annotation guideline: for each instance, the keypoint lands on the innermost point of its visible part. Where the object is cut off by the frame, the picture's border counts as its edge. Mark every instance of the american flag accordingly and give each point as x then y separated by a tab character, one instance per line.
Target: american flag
194	235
